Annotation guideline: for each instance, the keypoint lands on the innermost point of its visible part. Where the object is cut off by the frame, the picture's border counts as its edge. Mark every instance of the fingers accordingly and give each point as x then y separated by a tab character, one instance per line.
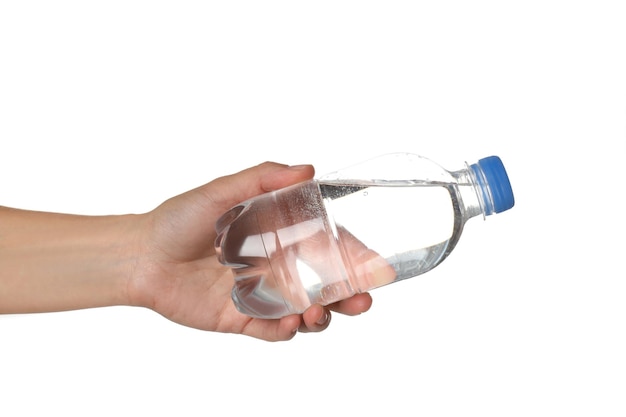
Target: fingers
354	305
315	319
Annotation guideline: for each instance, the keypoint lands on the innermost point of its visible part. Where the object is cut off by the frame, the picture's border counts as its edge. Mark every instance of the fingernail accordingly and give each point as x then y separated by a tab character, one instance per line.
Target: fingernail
324	319
299	167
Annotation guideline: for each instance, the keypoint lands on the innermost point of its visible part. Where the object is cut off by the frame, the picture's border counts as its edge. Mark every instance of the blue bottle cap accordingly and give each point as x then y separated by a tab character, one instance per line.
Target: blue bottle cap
497	182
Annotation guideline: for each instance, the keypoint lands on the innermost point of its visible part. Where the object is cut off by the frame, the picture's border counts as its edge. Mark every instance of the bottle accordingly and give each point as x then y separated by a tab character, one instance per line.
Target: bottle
378	222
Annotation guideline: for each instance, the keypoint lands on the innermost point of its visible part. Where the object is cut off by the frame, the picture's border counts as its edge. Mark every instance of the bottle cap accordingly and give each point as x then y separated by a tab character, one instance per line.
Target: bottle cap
494	181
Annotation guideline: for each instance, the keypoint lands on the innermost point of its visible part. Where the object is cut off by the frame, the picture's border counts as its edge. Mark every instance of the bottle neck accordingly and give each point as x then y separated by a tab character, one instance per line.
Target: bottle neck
475	196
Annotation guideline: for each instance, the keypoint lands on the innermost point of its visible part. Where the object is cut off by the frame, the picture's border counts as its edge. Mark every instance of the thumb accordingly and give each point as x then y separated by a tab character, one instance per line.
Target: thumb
227	191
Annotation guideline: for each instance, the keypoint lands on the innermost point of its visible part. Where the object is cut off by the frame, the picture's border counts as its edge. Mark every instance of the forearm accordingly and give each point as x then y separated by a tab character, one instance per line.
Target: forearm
54	262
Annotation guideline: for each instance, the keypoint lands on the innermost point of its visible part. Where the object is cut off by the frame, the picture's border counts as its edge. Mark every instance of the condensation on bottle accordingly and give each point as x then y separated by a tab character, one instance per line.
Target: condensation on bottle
378	222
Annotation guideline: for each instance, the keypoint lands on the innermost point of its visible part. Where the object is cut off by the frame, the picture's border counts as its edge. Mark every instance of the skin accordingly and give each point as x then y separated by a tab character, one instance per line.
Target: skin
163	260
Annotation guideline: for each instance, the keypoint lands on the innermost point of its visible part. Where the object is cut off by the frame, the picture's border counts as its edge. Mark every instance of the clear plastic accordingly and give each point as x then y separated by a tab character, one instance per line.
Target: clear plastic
387	219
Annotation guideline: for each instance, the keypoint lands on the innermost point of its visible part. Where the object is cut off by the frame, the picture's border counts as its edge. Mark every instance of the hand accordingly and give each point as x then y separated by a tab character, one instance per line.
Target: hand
178	274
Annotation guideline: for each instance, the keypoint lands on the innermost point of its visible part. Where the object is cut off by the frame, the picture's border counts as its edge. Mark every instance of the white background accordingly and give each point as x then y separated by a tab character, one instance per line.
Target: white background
112	107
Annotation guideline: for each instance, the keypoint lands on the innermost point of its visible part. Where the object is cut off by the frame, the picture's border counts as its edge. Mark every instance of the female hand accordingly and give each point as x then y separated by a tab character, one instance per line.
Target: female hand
177	273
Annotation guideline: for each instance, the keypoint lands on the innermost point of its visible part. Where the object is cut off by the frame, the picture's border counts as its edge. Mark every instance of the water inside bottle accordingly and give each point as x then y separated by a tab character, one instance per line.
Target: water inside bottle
320	242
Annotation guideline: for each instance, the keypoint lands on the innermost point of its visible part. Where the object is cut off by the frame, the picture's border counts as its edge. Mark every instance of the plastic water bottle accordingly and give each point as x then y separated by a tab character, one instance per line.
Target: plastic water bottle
378	222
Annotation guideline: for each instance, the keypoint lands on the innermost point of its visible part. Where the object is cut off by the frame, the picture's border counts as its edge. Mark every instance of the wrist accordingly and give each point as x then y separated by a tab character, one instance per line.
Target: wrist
55	262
